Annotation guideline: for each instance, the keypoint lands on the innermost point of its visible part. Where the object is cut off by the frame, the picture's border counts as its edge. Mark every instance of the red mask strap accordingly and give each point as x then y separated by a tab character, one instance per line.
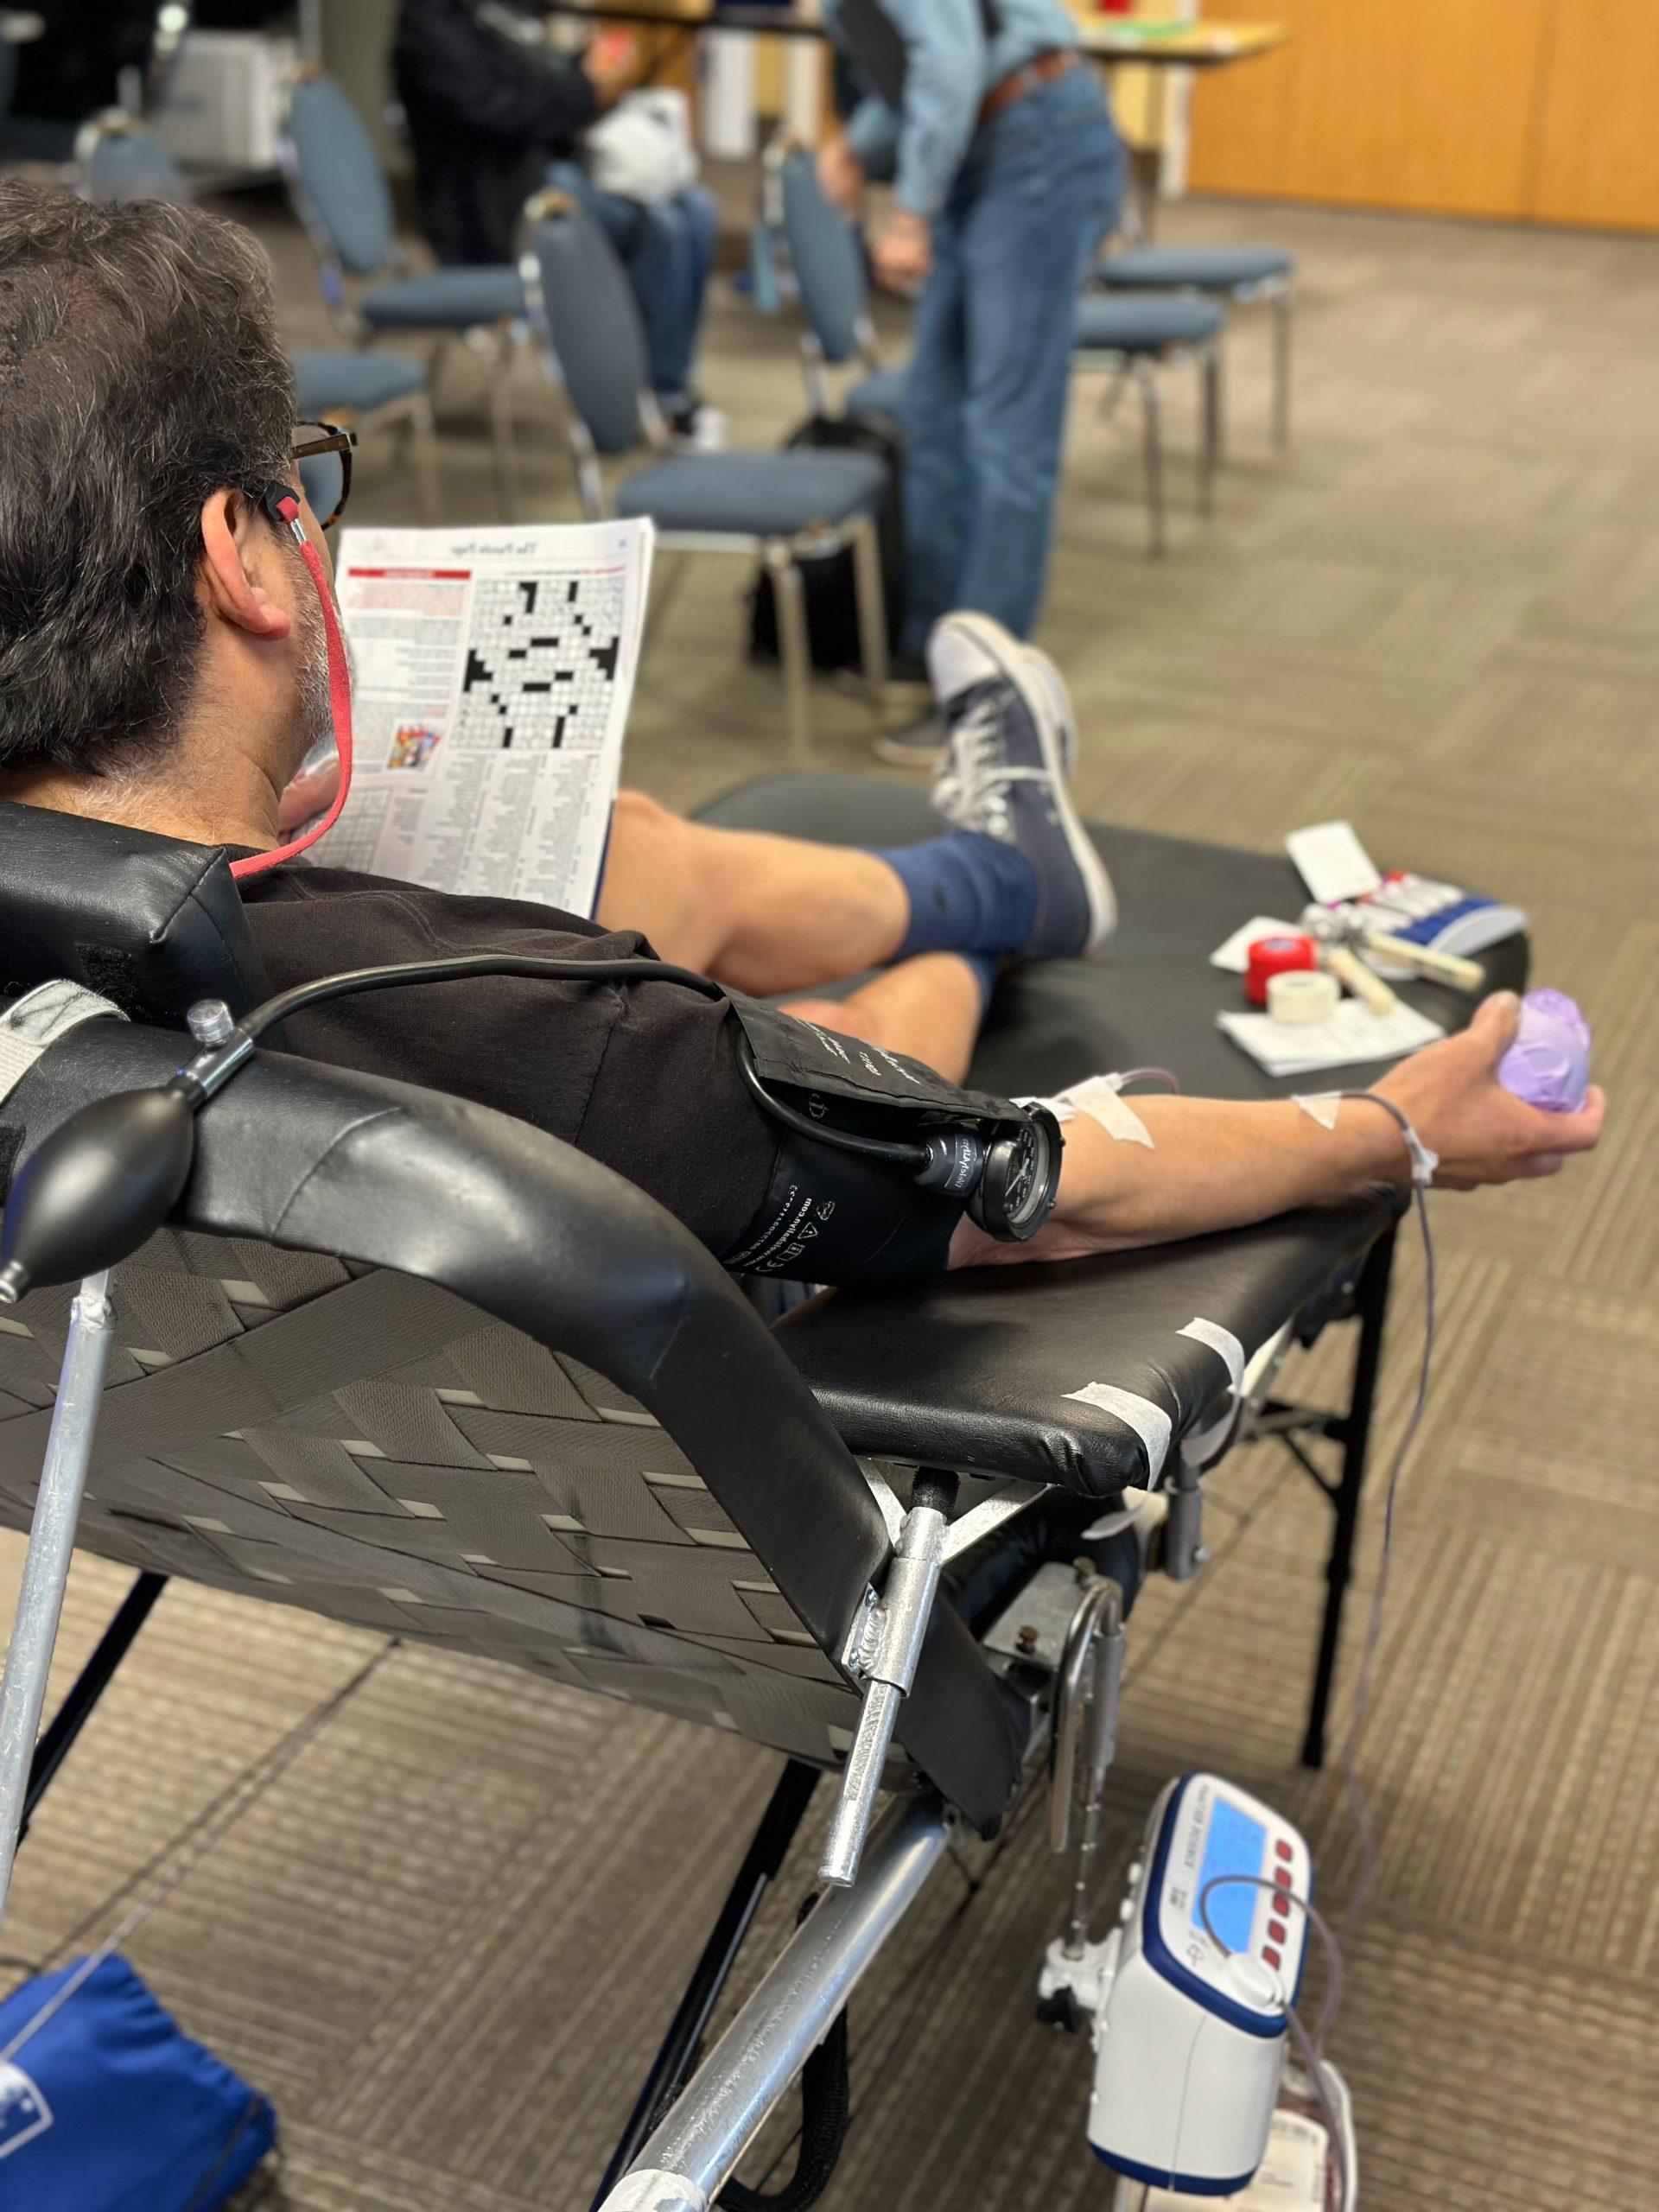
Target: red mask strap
339	699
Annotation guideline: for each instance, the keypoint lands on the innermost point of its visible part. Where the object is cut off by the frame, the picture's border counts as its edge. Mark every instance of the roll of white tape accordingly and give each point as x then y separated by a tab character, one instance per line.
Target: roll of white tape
1303	995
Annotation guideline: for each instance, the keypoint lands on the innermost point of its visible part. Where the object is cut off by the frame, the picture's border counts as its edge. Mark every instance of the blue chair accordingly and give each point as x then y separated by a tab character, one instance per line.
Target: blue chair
341	195
779	507
1237	274
119	160
1134	339
833	285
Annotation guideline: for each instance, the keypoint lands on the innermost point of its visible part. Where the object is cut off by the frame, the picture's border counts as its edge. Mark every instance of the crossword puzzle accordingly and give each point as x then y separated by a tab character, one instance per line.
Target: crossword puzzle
543	661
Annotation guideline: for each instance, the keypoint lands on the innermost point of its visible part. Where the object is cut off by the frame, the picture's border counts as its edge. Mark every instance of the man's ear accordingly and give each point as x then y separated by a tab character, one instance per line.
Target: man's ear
235	545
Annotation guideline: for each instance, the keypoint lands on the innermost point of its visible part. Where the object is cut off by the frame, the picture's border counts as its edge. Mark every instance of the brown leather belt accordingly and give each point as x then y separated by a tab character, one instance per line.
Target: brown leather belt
1042	69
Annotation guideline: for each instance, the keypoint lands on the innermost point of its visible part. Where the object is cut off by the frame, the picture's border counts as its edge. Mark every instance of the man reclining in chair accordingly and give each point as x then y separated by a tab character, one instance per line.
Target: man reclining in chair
162	665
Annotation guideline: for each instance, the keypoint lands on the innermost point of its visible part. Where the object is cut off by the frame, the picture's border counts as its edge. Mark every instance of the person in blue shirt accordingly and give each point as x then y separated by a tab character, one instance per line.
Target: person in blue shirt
1007	173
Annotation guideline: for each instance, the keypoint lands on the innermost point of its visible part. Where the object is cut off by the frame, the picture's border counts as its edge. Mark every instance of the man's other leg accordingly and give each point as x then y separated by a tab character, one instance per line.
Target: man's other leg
929	1008
1028	239
935	491
763	913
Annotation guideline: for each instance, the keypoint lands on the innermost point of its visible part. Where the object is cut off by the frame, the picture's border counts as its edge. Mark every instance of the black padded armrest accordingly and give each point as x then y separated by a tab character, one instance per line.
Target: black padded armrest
974	1371
150	923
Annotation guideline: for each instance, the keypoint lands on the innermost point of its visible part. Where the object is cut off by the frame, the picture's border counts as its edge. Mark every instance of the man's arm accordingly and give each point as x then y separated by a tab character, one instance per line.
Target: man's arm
1216	1164
944	47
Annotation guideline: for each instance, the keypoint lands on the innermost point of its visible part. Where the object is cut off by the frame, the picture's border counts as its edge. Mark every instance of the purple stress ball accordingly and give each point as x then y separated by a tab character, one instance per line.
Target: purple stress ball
1548	1063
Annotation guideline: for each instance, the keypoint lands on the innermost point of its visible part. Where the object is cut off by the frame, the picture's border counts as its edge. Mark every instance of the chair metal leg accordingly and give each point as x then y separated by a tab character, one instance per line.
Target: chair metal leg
59	1738
872	604
762	1863
51	1543
1353	1431
1284	311
795	650
1152	429
497	360
1210	455
693	2150
423	442
668	573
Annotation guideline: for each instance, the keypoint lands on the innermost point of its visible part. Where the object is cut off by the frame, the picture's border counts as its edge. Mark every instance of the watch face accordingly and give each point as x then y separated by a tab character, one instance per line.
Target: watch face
1029	1178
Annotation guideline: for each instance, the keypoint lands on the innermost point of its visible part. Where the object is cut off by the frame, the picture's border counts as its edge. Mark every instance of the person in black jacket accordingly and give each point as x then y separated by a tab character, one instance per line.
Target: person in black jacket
490	106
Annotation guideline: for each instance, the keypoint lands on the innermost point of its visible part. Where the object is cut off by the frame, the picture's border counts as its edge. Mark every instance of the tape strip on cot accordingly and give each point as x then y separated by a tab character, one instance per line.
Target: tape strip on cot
1150	1422
1225	1346
339	700
1100	1098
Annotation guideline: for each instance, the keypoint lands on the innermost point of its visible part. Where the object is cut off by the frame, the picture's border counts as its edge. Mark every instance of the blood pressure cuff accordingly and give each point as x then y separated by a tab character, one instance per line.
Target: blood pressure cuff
831	1216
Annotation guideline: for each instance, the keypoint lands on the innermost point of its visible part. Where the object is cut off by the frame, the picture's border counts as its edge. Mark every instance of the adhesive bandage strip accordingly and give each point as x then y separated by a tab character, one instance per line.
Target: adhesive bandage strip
1150	1423
1322	1107
1100	1098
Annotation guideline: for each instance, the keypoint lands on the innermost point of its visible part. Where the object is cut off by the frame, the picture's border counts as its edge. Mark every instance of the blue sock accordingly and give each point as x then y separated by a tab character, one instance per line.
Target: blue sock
985	967
969	893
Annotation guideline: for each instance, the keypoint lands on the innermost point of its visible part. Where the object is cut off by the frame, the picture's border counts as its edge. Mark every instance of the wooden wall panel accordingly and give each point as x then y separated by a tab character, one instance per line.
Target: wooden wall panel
1419	104
1598	153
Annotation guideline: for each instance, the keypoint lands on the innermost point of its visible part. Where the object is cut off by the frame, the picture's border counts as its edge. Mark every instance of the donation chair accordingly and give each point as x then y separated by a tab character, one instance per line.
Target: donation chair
405	1362
779	507
1128	339
120	159
340	193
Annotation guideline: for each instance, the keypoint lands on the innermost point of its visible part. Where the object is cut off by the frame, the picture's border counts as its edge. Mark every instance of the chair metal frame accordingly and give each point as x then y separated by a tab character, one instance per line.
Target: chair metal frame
1144	371
1278	292
685	2136
493	346
781	557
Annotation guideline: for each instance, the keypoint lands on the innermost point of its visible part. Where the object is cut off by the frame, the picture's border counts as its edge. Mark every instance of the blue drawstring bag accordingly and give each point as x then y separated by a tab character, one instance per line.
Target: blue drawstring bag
105	2106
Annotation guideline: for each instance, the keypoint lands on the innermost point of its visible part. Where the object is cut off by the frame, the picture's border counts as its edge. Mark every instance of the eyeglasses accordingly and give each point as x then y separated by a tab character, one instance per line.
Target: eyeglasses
322	453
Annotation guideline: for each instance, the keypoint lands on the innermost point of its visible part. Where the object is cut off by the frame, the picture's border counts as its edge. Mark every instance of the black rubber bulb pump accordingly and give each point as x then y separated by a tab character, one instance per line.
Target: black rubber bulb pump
97	1188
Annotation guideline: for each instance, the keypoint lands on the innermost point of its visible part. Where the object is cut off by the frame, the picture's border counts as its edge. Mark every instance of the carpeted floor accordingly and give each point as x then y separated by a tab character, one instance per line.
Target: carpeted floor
447	1937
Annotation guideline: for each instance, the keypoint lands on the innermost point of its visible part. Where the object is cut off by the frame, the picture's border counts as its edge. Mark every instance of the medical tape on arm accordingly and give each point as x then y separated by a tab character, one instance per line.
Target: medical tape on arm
34	1023
1323	1107
1100	1098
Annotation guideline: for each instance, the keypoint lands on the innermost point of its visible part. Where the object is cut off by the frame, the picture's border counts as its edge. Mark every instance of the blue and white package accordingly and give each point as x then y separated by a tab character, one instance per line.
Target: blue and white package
106	2106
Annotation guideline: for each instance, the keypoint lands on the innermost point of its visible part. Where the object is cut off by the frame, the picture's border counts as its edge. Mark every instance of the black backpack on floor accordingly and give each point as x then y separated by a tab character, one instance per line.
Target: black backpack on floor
831	596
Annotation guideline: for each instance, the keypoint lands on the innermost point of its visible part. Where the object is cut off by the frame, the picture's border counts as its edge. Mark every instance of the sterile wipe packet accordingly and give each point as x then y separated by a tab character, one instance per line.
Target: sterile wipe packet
1291	2178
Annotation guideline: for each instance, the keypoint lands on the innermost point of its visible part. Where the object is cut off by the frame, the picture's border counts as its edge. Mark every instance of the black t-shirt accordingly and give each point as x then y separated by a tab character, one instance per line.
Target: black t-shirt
643	1077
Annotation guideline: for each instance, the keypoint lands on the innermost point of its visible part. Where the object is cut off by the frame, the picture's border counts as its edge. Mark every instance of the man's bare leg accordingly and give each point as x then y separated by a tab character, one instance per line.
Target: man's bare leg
764	914
929	1007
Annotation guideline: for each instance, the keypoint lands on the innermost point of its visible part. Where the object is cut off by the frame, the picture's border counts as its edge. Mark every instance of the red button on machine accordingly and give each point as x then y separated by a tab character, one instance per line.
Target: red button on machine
1282	1877
1271	1958
1283	1850
1276	1928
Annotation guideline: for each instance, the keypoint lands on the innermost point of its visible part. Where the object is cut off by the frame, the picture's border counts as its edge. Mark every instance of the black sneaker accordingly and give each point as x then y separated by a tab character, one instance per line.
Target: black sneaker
1007	777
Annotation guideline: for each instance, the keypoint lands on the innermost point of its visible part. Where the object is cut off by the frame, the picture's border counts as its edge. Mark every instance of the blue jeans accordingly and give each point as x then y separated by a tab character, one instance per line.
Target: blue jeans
984	409
667	246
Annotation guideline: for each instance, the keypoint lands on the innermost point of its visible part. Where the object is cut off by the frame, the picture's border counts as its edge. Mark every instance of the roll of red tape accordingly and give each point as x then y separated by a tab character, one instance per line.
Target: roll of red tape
1276	955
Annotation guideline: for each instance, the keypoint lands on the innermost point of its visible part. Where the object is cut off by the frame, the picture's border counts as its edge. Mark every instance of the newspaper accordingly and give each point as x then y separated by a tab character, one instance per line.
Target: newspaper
493	671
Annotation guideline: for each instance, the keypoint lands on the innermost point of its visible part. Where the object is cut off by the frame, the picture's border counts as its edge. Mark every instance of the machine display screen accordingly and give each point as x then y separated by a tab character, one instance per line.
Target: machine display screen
1234	1845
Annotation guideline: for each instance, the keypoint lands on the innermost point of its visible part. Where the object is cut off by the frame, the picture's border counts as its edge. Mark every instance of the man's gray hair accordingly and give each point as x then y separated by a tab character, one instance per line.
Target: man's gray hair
140	372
